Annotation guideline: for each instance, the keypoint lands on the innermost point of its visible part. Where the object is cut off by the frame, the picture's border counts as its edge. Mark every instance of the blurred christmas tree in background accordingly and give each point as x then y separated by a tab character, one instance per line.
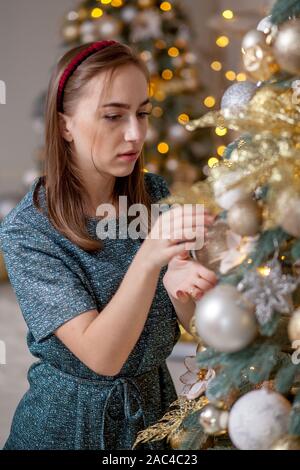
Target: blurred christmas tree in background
165	46
242	389
161	34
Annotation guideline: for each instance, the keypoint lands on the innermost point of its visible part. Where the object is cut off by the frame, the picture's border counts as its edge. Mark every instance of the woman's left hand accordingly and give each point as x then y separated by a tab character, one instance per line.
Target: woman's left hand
187	278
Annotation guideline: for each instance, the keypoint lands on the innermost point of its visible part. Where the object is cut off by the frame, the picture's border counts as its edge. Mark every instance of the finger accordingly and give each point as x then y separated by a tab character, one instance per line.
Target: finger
185	255
208	220
182	296
193	245
207	274
188	210
176	249
194	215
197	210
190	220
203	284
186	235
194	292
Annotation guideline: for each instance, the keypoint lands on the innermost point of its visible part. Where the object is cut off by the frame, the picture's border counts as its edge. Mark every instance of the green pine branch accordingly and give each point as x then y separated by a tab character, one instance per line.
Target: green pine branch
285	9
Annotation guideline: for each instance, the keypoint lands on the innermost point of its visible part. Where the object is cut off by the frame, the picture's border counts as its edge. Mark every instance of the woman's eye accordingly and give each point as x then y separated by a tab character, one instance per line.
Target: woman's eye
112	117
115	117
144	114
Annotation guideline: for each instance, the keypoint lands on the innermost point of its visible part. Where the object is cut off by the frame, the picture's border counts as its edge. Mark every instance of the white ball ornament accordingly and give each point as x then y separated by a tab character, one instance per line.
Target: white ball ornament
109	27
225	197
85	38
225	320
71	32
288	211
258	419
245	217
286	46
253	38
213	420
178	134
294	326
128	14
87	28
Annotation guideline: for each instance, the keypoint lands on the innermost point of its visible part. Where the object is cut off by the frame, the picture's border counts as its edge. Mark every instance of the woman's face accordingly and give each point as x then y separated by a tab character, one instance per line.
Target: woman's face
109	130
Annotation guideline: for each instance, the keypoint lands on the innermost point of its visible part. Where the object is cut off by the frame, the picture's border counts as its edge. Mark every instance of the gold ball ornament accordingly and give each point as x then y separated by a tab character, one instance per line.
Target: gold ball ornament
288	211
253	38
71	32
245	218
295	389
213	420
294	326
145	3
225	402
258	57
287	443
83	14
286	47
214	245
193	330
176	438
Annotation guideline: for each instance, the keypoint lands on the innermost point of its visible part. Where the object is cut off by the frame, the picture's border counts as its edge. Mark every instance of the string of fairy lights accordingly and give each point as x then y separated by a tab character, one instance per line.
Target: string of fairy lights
222	41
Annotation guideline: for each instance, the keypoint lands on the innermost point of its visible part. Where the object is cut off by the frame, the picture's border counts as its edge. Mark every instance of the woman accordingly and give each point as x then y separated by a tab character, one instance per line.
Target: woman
101	314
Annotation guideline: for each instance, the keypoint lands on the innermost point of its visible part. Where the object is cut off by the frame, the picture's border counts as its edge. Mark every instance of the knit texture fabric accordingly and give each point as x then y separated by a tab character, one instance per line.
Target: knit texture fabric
68	406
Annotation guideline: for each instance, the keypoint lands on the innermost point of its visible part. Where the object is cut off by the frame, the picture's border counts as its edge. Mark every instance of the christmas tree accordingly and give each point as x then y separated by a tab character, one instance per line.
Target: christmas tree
242	390
159	31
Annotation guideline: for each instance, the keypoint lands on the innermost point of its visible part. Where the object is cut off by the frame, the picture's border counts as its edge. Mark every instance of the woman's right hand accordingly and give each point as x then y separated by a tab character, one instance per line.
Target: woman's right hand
174	232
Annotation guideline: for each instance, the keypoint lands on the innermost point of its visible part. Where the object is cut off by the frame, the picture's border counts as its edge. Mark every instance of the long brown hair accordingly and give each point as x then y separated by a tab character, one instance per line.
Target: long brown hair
65	191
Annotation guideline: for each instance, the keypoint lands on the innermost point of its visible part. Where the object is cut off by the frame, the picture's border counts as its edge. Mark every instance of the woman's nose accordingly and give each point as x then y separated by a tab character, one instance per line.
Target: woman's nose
133	131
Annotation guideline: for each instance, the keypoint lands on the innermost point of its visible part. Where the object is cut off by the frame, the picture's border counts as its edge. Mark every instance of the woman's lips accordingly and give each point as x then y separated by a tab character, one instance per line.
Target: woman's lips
129	156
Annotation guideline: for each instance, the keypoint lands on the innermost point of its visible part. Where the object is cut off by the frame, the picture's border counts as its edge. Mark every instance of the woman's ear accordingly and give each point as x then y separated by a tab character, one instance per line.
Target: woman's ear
64	126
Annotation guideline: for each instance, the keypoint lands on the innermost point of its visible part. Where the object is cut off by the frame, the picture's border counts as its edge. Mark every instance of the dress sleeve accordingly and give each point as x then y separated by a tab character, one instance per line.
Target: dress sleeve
48	291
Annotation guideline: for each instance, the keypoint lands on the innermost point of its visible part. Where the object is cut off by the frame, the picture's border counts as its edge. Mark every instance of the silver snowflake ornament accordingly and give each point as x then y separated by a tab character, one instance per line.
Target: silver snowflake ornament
269	290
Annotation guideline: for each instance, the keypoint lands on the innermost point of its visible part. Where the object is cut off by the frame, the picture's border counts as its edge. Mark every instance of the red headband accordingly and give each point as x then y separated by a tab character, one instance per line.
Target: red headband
75	62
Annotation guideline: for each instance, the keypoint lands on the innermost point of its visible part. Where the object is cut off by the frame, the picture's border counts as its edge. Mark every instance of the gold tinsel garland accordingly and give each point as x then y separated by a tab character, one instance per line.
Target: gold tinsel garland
172	420
272	110
200	193
271	157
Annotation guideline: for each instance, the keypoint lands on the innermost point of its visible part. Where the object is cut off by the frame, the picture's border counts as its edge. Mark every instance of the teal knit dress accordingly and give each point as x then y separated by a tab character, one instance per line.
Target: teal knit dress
67	405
